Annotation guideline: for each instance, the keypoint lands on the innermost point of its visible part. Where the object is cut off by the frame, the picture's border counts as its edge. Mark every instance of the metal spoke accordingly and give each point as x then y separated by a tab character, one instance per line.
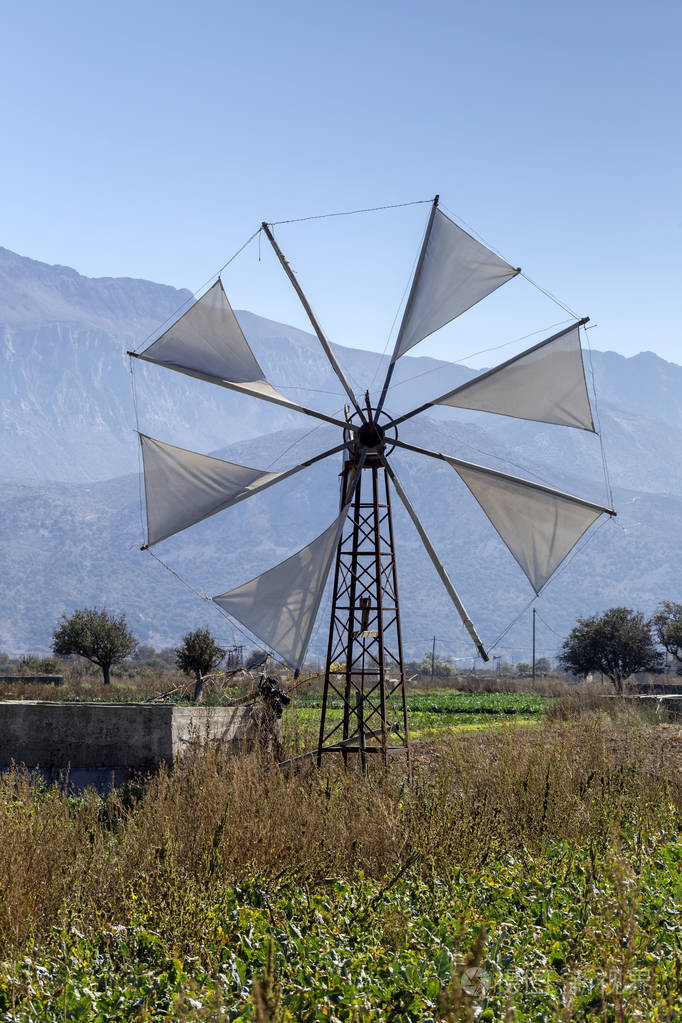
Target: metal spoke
258	488
313	319
451	460
445	579
244	389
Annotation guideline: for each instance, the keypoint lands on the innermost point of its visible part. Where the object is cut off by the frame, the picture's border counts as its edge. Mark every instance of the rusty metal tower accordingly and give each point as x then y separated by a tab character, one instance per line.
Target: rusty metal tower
365	670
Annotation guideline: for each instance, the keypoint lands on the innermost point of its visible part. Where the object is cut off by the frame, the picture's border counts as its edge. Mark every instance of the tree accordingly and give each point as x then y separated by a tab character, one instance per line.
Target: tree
617	643
667	624
199	655
441	668
543	666
524	668
96	635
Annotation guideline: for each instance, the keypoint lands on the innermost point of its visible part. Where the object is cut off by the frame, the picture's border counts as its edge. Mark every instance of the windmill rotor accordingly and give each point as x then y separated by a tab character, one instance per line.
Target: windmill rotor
539	525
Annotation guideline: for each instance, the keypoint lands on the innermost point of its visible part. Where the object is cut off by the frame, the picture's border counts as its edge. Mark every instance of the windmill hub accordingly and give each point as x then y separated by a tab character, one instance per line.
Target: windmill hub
378	438
371	435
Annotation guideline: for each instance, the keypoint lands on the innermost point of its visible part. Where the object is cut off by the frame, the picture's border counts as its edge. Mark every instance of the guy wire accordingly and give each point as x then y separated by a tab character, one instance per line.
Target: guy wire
349	213
472	355
548	626
512	623
300	440
607	481
395	317
202	286
576	550
550	296
547	294
203	596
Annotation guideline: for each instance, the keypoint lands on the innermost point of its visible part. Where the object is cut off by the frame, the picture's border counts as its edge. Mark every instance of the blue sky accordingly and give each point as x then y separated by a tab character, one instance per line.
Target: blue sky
150	140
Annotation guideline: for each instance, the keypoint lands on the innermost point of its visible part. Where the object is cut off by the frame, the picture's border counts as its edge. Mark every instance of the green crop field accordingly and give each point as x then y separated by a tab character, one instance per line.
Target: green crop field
526	874
571	935
433	710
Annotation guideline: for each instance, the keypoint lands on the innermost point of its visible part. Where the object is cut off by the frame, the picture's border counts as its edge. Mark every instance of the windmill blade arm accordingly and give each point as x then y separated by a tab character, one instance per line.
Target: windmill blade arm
445	578
415	412
313	319
539	525
503	476
280	606
562	397
410	301
454	273
184	487
253	392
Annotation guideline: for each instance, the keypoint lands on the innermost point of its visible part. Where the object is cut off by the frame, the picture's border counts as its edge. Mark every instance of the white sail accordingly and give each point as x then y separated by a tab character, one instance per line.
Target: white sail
207	342
183	487
280	606
456	272
540	526
545	384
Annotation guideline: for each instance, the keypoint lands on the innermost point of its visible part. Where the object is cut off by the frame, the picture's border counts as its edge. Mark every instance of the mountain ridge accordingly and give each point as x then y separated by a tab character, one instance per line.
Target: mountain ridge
66	411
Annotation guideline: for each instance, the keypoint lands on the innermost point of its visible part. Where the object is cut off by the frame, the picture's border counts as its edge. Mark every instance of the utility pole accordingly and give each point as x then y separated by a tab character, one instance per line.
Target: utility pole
433	656
533	644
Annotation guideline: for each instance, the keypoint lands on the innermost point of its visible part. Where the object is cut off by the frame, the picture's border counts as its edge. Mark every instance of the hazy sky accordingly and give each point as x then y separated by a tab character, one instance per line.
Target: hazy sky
150	140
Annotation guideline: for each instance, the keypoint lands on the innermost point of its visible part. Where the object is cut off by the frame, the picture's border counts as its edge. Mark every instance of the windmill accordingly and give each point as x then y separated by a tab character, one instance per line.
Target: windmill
539	525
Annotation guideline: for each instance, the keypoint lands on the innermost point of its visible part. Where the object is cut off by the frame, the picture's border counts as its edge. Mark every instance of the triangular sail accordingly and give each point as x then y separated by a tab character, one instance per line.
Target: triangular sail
280	606
540	526
207	342
545	384
455	273
183	487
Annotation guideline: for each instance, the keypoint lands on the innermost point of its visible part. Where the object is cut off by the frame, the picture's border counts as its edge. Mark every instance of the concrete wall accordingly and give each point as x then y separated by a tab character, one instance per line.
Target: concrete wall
46	680
114	737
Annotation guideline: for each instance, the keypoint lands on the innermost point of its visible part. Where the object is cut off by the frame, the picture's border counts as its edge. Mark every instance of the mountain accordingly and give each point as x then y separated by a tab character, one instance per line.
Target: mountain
66	406
70	509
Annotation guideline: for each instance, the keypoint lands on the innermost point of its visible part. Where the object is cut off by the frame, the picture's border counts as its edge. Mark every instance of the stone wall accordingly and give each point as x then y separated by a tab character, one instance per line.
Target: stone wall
45	680
114	740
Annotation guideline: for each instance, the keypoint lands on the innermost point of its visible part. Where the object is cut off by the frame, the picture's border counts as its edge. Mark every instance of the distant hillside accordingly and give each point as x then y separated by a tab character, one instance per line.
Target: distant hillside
70	497
66	408
68	545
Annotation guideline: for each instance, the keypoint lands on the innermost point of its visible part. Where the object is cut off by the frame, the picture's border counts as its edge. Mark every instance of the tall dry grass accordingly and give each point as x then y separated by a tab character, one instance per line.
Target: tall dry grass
477	682
216	820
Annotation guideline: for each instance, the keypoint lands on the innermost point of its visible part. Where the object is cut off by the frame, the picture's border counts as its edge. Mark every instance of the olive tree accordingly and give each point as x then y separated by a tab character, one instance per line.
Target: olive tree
667	623
95	634
198	655
618	643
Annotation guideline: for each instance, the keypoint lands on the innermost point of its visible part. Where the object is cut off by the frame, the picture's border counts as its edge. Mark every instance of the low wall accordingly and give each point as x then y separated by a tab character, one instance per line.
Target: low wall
98	741
45	680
